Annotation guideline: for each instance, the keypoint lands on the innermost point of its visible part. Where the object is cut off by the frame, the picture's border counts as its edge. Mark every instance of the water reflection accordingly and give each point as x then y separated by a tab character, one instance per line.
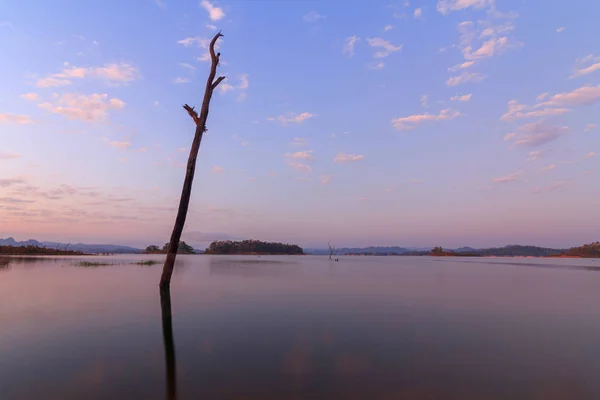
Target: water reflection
167	328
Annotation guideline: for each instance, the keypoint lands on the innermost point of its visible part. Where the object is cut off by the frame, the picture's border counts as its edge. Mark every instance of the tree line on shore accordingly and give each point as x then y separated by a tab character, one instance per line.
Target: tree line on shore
252	247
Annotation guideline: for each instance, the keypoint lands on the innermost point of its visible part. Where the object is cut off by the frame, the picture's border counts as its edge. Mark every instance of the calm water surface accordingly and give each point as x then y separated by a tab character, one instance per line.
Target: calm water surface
301	328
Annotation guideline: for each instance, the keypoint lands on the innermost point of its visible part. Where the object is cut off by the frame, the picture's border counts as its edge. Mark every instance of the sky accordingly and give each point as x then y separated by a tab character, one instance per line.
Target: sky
411	123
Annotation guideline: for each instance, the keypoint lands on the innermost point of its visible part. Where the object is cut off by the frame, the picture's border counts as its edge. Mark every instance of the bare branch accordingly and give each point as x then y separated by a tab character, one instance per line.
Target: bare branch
213	56
192	113
216	82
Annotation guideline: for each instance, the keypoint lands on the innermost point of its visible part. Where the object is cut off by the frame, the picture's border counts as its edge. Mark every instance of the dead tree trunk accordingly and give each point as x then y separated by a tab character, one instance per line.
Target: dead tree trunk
167	328
332	251
200	121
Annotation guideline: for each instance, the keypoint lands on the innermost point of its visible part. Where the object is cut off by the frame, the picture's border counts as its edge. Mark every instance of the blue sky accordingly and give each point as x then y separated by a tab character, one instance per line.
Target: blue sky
449	122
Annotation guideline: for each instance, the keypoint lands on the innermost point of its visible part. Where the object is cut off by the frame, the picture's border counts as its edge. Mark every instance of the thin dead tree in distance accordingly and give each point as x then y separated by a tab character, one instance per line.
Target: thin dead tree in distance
332	250
200	121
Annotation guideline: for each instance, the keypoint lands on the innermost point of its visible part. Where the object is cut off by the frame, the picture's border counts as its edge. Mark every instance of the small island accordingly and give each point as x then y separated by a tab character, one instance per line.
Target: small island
255	247
183	248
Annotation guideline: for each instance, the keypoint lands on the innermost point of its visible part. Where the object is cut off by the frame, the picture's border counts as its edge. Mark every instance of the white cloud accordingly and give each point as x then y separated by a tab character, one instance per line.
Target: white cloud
508	178
537	134
120	145
217	169
585	66
465	77
187	66
349	45
347	158
463	65
156	103
551	187
243	82
180	80
225	87
464	97
30	96
15	119
9	156
549	167
447	6
91	108
299	142
418	13
387	47
200	41
410	122
536	155
376	65
583	96
111	73
518	111
423	100
313	16
299	166
510	136
214	13
589	155
301	155
388	28
561	29
211	27
589	127
295	118
325	179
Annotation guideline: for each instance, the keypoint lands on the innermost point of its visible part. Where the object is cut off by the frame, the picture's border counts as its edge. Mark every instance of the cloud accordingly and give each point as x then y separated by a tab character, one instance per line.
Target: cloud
463	65
508	178
518	111
313	16
188	66
243	82
488	49
423	100
537	134
30	96
200	41
295	118
299	142
589	127
585	66
15	119
589	155
561	29
387	47
583	96
465	77
301	155
378	65
6	182
217	169
510	136
160	3
349	45
112	73
418	13
549	167
341	158
388	28
91	108
180	80
410	122
551	187
225	87
9	156
325	179
536	155
299	166
464	97
120	145
447	6
215	13
6	24
211	27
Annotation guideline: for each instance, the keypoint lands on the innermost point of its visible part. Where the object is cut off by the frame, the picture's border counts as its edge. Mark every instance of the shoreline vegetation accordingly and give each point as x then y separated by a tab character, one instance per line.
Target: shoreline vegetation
37	251
253	247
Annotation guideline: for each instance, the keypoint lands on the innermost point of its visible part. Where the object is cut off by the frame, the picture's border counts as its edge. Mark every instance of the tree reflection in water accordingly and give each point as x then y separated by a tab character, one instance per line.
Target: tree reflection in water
167	328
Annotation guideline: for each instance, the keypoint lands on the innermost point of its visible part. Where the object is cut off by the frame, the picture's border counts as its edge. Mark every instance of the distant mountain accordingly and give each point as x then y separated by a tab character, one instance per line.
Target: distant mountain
86	248
369	250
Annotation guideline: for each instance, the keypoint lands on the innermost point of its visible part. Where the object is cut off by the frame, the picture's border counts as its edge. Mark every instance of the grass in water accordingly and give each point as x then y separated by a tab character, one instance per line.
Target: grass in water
146	262
92	264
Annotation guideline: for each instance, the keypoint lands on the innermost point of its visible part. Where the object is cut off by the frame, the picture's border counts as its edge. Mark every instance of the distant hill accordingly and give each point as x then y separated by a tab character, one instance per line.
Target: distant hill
591	250
85	248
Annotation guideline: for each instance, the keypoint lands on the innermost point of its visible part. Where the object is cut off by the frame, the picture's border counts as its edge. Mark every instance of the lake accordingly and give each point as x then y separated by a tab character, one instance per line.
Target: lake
301	327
